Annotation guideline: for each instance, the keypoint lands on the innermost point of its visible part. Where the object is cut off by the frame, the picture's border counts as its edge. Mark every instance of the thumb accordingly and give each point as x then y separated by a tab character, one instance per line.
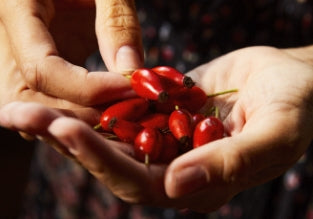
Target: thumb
227	166
119	35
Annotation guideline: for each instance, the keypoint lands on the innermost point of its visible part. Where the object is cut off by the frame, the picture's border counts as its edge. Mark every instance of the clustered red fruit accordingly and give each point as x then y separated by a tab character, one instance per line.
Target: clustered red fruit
163	121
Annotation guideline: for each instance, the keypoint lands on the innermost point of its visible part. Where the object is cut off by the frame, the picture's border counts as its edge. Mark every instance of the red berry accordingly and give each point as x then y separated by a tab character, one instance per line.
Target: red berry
170	148
130	109
180	124
148	145
196	118
174	75
191	99
125	130
147	84
208	130
155	120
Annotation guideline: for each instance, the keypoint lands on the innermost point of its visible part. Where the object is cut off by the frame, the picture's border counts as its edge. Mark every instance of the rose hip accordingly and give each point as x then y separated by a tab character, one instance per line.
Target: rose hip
174	75
155	120
170	148
147	84
208	130
125	130
191	99
180	124
148	145
130	109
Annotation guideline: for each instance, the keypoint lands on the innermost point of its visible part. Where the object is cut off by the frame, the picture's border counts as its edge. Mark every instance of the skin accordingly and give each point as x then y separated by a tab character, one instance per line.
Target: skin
43	47
269	121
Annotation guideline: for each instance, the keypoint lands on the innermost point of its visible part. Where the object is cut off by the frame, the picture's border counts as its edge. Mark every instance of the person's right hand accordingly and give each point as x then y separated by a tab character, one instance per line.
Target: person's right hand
34	36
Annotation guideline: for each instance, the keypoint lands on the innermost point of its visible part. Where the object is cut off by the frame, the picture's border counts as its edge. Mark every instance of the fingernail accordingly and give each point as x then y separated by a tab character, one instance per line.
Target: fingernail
190	179
127	59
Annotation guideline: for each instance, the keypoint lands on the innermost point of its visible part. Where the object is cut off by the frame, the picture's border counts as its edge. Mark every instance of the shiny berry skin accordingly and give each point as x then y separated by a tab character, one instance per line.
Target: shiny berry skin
147	84
155	120
192	99
170	148
125	130
208	130
180	124
174	75
196	118
148	145
129	109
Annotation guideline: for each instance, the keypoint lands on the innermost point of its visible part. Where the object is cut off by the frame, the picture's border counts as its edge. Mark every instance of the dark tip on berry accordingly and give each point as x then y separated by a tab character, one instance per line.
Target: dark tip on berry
112	122
188	82
163	97
185	144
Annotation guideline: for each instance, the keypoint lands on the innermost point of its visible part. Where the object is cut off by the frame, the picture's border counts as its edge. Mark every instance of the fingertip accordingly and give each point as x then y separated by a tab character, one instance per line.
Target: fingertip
183	181
127	59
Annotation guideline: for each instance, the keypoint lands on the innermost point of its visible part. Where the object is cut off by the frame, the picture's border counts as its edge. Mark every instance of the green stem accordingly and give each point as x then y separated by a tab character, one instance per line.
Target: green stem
128	76
96	127
217	112
222	92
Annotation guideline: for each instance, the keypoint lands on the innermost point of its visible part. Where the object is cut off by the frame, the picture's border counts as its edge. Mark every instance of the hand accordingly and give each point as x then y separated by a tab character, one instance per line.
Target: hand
40	41
269	124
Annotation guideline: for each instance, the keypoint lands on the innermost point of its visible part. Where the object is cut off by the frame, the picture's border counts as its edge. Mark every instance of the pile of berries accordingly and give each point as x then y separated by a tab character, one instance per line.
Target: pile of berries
163	121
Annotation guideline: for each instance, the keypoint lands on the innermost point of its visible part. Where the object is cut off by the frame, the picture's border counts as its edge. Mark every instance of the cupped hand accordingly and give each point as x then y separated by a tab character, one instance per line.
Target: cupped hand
268	122
43	45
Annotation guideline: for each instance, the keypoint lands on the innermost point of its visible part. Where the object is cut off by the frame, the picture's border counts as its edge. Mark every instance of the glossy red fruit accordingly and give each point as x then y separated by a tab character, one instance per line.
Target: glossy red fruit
208	130
191	99
148	145
170	148
155	120
180	124
174	75
125	130
196	118
130	109
147	84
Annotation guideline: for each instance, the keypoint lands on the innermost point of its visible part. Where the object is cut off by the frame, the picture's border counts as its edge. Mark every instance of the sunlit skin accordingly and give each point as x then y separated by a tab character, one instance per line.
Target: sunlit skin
269	121
43	50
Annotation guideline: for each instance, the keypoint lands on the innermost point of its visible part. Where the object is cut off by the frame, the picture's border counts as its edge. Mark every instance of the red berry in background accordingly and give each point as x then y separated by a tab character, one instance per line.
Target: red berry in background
147	84
180	124
148	145
196	118
130	109
155	120
174	75
170	148
208	130
125	130
191	99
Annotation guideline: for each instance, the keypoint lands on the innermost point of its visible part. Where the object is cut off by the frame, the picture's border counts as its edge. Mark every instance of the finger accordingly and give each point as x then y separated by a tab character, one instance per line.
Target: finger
119	35
111	162
37	57
34	118
31	120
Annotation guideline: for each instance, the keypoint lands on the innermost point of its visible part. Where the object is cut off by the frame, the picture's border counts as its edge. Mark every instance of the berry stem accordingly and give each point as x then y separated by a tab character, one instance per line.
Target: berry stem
217	112
97	127
222	92
127	76
146	159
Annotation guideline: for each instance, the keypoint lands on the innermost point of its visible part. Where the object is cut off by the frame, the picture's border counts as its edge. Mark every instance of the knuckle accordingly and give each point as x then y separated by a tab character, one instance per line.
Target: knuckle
32	75
121	17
